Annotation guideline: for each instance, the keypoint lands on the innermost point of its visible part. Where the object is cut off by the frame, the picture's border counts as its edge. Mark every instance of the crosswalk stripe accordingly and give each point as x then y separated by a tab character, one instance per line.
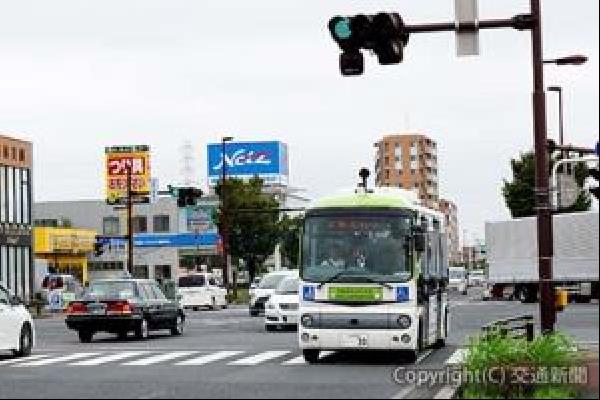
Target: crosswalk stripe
296	361
24	359
300	360
458	357
50	361
210	358
159	358
108	359
260	358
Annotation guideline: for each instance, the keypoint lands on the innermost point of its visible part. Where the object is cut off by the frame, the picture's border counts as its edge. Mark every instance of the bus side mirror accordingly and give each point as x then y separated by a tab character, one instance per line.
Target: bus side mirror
420	241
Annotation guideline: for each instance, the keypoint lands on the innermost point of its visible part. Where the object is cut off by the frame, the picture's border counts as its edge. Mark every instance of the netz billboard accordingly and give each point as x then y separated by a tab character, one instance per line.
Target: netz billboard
244	160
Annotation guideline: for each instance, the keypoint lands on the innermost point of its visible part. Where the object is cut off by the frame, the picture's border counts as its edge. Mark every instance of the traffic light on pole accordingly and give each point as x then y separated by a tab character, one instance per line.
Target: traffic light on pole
98	249
186	196
385	34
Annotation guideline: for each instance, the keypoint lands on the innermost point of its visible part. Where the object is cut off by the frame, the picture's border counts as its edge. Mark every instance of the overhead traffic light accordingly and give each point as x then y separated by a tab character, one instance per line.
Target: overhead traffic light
98	248
595	174
385	34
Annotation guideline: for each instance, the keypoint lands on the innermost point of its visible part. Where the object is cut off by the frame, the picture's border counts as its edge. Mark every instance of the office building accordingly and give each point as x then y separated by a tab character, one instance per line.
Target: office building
16	261
409	162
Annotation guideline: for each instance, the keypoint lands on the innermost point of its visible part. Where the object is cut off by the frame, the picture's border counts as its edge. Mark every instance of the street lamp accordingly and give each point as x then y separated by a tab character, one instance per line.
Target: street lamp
573	60
569	60
561	121
225	214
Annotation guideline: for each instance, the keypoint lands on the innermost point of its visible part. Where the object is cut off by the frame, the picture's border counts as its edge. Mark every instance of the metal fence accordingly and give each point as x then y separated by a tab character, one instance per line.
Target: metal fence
517	327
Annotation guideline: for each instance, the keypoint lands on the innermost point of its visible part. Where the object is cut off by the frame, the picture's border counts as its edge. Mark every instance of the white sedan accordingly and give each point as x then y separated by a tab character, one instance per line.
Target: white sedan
16	325
282	308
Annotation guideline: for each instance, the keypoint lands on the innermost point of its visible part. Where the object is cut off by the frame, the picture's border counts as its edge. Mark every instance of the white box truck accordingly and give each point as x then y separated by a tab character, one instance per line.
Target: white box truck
513	257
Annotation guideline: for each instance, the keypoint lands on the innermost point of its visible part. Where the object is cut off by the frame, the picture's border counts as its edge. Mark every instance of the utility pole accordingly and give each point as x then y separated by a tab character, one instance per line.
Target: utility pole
129	221
225	213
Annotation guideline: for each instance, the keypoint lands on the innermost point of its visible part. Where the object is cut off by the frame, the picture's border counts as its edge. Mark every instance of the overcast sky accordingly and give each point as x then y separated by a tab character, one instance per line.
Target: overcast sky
78	75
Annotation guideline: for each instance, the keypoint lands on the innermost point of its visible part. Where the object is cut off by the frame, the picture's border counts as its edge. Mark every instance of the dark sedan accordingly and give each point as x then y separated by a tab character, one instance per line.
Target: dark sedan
123	306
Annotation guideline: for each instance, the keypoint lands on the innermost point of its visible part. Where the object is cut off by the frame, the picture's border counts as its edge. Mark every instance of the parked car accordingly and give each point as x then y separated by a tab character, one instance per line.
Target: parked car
486	294
282	308
255	283
123	306
201	290
477	278
268	286
17	331
458	280
58	290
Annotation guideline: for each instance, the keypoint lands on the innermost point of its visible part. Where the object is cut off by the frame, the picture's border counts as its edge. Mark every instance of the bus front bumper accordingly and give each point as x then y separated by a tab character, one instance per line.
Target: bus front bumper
356	339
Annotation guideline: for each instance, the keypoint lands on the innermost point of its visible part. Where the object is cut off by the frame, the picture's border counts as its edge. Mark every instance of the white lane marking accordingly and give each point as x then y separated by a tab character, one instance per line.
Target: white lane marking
423	356
260	358
447	392
458	357
50	361
404	393
20	360
108	359
159	358
300	360
210	358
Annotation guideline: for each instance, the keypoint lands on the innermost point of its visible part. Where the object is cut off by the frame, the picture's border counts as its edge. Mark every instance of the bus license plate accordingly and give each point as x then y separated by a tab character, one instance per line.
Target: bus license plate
355	342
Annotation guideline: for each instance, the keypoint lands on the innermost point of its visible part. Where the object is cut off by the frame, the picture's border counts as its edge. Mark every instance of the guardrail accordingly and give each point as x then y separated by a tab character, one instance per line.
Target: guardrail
517	327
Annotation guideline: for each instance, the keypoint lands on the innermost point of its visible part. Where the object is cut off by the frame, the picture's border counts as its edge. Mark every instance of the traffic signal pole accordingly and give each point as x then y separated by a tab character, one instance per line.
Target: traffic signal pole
542	180
533	23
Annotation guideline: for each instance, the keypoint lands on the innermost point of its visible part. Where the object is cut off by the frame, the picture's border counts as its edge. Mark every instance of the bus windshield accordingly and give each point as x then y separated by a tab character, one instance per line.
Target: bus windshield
357	248
192	281
457	274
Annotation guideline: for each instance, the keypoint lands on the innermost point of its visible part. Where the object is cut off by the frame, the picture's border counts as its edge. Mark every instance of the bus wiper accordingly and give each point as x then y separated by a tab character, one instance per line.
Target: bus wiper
363	278
332	279
371	280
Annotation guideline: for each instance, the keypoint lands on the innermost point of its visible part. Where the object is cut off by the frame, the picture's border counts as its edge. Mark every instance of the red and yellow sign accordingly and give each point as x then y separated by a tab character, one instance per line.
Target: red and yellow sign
122	161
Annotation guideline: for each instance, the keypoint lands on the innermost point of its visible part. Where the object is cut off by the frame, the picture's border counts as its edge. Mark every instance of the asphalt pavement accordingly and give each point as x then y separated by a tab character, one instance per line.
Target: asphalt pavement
227	354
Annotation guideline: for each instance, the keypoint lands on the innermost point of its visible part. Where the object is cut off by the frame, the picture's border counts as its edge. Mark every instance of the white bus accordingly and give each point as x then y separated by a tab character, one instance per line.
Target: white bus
374	273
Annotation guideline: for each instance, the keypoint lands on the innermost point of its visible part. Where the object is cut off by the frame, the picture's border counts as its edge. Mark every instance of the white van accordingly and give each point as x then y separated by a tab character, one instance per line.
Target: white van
268	285
458	280
200	291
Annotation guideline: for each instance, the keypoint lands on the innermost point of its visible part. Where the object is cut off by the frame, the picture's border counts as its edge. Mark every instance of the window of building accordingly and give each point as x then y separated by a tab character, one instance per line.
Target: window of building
140	224
21	155
161	224
140	272
387	174
162	272
111	226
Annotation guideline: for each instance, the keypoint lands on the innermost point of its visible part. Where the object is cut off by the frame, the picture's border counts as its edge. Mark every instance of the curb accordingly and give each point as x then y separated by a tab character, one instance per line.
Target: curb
447	392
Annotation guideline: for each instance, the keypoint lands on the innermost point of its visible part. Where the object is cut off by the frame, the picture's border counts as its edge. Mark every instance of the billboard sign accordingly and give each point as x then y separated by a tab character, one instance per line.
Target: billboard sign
201	218
244	160
121	159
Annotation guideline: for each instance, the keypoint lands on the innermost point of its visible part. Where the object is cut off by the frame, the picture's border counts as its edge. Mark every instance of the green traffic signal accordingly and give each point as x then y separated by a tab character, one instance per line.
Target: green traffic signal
341	28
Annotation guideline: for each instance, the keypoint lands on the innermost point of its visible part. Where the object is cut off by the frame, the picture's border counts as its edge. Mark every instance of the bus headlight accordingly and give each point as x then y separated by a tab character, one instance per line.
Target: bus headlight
404	321
307	321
